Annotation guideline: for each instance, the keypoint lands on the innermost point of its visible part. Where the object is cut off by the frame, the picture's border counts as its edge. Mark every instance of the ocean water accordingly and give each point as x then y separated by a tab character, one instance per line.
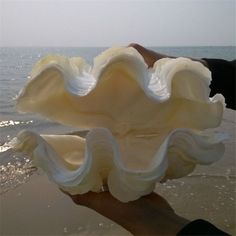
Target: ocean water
15	66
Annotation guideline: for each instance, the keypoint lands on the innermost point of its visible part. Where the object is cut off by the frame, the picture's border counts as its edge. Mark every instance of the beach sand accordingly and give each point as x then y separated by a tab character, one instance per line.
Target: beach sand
38	207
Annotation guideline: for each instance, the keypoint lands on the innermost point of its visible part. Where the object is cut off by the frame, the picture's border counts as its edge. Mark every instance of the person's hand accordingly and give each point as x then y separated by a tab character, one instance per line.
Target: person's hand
149	215
150	57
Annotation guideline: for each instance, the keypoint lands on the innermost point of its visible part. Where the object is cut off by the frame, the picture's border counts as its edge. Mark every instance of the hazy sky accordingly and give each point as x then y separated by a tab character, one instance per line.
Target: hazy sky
108	23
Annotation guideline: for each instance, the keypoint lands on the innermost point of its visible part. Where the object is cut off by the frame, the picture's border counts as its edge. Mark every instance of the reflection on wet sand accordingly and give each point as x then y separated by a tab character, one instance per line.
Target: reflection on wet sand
38	207
207	197
15	169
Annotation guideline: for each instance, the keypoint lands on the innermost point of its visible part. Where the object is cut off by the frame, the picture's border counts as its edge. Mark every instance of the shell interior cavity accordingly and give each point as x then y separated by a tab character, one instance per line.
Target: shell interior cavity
145	124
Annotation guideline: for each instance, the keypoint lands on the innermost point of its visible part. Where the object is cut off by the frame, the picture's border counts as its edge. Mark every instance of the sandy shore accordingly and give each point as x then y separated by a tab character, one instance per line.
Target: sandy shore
39	208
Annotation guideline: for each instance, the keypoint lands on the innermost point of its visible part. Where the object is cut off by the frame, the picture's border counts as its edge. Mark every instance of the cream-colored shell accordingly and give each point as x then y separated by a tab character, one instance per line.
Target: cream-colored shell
145	125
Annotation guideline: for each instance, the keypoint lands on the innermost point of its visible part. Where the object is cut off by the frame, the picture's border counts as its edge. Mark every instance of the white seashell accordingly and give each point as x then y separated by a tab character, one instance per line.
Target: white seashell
145	124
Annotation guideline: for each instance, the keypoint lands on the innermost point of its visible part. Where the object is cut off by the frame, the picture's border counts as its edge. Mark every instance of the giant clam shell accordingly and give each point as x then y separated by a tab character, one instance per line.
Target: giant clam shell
146	125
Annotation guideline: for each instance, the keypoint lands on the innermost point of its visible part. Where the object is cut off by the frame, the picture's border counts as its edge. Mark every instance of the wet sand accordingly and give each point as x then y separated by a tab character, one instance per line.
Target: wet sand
39	208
